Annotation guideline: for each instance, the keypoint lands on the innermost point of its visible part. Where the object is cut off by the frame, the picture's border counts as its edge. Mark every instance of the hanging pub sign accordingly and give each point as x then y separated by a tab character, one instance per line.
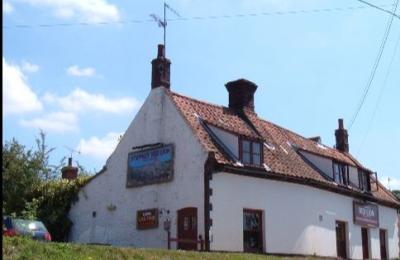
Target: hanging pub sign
150	166
146	219
365	214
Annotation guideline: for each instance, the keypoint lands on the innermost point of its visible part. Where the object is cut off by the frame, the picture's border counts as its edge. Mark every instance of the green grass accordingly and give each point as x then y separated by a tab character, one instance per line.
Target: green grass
24	248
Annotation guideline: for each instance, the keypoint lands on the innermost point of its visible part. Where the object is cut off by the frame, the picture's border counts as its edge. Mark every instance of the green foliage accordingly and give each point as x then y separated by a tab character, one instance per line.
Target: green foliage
32	188
20	175
396	193
54	202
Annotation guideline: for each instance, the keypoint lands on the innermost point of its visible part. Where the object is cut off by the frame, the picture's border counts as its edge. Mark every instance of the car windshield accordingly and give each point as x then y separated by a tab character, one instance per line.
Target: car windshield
26	226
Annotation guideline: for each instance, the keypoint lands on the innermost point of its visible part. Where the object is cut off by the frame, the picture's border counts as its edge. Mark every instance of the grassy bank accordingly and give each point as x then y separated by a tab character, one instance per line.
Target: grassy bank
23	248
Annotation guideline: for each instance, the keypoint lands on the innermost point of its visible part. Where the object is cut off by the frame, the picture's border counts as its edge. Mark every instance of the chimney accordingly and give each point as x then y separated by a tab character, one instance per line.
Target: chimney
342	138
160	74
241	94
69	172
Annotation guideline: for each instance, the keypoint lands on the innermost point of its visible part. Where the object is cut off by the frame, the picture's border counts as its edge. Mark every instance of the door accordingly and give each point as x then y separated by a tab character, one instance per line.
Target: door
187	228
382	242
341	244
252	231
365	242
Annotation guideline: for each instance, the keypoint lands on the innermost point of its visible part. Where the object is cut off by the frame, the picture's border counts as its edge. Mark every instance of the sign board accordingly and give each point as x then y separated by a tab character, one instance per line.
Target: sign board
147	218
150	166
365	214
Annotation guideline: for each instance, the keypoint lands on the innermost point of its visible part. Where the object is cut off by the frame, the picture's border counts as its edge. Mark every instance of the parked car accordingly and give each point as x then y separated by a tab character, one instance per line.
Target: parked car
23	227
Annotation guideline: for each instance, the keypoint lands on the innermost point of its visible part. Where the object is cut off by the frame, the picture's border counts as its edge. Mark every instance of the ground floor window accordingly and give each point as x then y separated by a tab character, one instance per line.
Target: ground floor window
365	242
382	241
341	239
252	231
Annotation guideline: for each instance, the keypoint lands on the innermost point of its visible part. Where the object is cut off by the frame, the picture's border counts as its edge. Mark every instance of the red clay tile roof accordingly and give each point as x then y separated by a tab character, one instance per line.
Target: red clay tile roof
280	144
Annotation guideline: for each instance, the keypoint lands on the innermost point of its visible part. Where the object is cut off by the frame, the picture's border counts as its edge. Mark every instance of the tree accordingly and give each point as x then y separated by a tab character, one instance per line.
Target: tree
20	175
396	193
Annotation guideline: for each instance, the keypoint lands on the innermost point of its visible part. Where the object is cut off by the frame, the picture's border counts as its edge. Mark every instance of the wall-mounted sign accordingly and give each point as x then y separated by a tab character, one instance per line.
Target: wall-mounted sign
150	166
365	214
147	218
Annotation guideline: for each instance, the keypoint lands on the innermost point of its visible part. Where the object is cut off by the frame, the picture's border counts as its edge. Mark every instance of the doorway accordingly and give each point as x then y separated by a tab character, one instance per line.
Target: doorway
187	228
341	239
252	231
365	242
382	242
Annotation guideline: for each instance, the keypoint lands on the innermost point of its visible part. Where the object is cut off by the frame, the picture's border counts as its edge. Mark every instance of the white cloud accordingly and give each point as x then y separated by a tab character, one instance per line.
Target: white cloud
93	11
18	97
60	122
391	183
82	101
99	148
81	72
29	67
7	8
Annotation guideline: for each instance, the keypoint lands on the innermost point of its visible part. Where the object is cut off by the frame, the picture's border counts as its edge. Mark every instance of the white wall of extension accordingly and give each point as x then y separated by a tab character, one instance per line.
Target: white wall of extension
158	120
298	219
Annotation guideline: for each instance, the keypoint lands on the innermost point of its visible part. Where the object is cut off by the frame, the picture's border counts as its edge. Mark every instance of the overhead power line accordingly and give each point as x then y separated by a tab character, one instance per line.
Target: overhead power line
380	8
212	17
374	67
371	121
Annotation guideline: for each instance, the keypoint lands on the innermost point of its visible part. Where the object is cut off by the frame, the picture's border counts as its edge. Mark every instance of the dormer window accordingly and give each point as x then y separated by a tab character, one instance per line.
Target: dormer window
250	152
340	173
364	181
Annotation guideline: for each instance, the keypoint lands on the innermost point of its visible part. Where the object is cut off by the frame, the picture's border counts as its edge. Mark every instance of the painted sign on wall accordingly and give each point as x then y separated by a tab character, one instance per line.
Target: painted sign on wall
146	219
150	166
365	214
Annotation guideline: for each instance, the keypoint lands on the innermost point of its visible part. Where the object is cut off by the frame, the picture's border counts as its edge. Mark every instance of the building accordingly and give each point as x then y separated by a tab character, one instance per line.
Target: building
242	183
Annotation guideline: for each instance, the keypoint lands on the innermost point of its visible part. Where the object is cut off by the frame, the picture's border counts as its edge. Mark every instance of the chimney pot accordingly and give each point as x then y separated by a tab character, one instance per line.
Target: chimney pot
241	94
160	72
342	137
70	161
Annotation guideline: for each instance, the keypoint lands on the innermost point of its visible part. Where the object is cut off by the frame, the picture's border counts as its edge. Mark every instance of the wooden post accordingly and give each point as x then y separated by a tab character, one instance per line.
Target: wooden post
169	239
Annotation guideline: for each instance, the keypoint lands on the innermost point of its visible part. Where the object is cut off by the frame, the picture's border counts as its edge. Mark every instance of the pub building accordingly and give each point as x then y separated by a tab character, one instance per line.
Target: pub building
192	175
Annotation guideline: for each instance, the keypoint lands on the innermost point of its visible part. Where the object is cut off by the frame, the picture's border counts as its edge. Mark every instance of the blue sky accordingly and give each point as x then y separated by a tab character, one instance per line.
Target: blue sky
83	84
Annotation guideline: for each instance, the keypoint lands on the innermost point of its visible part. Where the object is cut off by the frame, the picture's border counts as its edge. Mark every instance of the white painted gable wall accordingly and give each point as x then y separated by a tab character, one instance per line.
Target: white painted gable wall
157	121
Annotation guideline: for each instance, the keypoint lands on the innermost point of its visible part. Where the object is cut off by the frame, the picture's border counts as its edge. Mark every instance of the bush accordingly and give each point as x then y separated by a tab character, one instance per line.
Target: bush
53	201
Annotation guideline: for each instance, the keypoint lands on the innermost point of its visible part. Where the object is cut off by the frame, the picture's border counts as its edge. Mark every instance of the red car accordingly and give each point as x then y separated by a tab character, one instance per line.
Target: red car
24	227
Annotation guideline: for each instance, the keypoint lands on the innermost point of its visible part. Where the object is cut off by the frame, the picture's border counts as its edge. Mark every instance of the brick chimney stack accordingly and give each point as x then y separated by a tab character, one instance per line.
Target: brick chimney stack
69	172
241	94
160	73
342	138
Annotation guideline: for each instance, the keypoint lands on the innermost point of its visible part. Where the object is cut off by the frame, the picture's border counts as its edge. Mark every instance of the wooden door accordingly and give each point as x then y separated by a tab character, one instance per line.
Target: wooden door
341	244
187	228
365	242
252	231
382	242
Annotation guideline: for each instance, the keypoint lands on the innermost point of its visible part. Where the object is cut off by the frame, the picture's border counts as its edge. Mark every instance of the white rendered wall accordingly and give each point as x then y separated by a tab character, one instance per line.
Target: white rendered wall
230	140
322	163
298	219
157	121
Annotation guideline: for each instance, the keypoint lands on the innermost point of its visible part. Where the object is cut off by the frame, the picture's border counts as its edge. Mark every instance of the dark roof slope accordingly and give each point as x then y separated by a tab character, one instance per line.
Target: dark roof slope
280	144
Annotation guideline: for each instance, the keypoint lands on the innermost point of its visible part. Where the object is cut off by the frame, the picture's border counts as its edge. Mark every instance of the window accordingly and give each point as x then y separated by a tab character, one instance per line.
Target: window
364	181
250	152
340	173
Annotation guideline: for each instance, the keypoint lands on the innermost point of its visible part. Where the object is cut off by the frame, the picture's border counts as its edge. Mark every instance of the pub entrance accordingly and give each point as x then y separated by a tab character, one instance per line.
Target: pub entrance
365	242
187	228
252	231
382	242
341	243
